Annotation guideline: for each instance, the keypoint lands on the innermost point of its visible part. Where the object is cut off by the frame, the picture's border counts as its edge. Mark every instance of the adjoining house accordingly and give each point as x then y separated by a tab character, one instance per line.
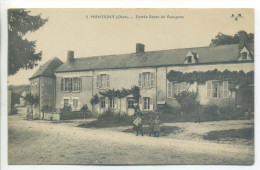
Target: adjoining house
78	79
42	84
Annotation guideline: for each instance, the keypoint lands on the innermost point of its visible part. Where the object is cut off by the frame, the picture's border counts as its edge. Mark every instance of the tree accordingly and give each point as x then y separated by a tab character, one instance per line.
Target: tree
223	39
94	101
21	52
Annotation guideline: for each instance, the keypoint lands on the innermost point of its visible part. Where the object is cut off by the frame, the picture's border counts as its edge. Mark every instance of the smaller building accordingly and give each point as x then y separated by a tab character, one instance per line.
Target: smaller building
42	85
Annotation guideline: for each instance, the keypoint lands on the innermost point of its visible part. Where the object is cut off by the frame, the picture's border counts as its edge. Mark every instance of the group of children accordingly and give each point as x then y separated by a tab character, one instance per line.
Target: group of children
154	125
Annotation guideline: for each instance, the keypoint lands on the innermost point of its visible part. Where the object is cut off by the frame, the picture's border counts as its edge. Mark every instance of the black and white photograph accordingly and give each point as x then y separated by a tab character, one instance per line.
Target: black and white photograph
99	86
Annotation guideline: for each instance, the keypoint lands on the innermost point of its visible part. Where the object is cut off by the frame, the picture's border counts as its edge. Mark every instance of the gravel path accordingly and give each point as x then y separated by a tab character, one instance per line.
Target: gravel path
43	142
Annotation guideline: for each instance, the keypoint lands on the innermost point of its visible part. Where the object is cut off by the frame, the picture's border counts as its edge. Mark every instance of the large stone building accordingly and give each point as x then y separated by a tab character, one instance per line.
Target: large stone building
78	79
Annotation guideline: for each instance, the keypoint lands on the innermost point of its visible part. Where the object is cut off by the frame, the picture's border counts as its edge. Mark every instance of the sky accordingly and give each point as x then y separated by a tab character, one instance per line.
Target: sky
81	31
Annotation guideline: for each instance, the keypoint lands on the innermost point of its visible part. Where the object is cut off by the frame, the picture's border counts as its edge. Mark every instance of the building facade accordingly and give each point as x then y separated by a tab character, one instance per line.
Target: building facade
79	79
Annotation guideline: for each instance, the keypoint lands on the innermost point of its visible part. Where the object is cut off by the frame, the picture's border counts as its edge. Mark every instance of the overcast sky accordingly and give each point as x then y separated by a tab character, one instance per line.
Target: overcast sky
70	29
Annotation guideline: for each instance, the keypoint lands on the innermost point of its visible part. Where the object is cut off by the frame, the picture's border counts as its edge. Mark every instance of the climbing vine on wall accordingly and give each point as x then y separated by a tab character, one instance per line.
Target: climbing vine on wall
135	91
234	78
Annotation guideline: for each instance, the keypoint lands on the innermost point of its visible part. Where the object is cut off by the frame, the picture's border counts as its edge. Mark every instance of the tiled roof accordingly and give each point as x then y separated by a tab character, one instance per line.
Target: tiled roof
47	69
223	53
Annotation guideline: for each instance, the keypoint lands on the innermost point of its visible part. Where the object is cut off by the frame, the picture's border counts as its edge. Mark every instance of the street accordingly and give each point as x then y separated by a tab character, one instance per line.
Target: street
45	142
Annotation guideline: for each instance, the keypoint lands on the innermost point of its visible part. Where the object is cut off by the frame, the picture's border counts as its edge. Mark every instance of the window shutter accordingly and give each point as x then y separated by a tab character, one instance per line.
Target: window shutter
143	80
80	84
106	102
97	82
140	80
115	103
140	103
209	89
169	89
151	103
108	83
70	84
61	84
225	89
152	80
220	89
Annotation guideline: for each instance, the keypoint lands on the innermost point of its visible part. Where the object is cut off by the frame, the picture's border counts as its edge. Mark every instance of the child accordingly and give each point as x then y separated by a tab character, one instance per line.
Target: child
151	126
157	126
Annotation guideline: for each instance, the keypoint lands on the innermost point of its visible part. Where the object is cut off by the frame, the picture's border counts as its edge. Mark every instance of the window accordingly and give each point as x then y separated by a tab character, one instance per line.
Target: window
102	81
75	104
146	80
189	59
66	102
217	89
111	103
175	88
146	103
244	55
102	102
130	102
70	84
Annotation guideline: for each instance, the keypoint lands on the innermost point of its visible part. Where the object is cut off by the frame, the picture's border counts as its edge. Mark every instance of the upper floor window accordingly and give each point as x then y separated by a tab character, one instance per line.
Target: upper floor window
71	84
217	89
146	80
102	81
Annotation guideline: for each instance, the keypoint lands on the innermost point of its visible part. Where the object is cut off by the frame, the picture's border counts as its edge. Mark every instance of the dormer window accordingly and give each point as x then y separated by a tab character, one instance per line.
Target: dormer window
189	59
244	55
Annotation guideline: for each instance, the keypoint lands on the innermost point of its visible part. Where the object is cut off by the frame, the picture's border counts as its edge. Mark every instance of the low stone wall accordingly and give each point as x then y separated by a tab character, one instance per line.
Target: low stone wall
51	116
67	115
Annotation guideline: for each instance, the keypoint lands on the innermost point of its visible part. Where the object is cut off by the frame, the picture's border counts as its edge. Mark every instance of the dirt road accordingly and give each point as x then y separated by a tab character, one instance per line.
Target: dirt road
44	142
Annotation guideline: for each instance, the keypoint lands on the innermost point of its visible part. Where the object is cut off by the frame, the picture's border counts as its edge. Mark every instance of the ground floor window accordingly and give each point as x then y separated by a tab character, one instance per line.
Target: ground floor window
75	104
102	102
130	102
146	103
217	89
111	103
66	102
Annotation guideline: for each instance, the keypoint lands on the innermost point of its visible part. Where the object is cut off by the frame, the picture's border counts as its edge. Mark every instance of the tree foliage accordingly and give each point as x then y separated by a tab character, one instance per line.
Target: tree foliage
21	52
234	78
31	99
223	39
94	100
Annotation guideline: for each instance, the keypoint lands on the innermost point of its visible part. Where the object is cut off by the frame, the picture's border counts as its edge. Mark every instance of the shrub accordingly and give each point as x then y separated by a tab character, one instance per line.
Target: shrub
84	108
187	101
66	108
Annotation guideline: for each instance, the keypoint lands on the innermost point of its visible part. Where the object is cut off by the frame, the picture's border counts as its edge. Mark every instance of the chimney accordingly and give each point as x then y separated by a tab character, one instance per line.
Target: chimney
242	39
70	56
139	48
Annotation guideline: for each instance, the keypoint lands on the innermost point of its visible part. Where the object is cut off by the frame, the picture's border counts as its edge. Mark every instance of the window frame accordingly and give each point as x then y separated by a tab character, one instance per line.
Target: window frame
130	101
75	99
146	80
102	102
67	84
220	92
113	103
146	100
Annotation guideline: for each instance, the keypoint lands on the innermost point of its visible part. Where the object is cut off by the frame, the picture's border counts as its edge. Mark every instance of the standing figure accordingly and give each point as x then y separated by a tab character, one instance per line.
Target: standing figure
157	126
137	123
151	126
